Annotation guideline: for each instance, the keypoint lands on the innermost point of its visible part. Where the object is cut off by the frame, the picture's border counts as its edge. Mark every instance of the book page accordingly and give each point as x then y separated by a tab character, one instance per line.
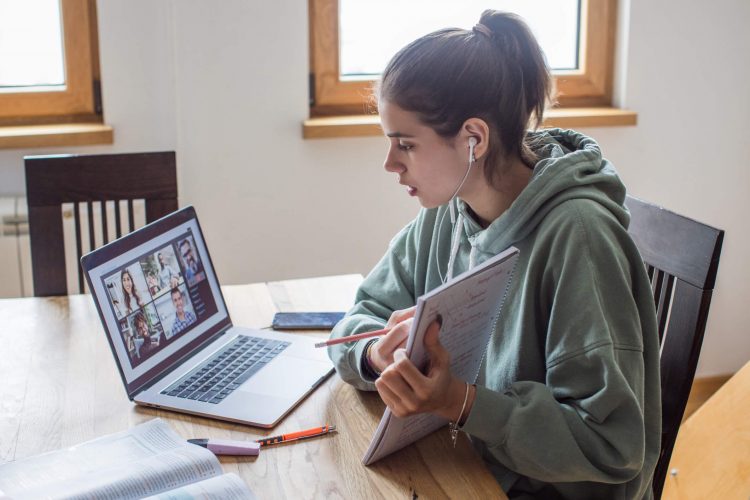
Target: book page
224	487
469	306
145	460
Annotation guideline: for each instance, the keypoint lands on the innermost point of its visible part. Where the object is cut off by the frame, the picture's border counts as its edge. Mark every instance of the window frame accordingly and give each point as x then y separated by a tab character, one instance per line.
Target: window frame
80	101
590	86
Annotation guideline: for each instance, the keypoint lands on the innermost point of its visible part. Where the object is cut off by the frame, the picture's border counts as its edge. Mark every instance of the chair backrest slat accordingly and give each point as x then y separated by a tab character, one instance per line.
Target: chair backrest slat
103	215
90	213
656	284
682	259
663	302
52	181
131	216
79	244
118	224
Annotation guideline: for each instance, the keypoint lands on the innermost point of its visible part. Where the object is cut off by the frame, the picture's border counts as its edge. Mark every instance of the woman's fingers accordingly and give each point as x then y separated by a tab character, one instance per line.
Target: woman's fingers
399	354
439	356
383	349
397	336
389	397
400	315
421	389
396	383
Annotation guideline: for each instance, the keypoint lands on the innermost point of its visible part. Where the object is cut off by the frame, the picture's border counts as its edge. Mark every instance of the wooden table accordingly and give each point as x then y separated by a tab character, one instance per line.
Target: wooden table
711	457
60	387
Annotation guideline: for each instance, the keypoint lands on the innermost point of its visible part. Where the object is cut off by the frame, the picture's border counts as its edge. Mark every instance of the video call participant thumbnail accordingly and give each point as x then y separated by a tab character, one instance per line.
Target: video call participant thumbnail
182	317
193	267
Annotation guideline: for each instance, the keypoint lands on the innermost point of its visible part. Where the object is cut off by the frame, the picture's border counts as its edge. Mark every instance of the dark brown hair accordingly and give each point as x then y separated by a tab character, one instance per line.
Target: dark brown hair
497	73
139	318
128	297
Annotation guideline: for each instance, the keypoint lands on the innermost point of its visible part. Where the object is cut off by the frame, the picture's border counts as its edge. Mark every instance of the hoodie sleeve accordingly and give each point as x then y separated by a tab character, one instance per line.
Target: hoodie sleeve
388	288
585	421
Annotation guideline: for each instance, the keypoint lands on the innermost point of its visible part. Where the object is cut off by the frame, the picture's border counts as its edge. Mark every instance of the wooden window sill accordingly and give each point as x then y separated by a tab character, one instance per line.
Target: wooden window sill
67	134
369	125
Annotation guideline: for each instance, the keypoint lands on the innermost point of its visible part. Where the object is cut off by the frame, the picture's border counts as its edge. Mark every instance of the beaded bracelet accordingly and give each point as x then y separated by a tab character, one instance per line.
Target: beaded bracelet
368	369
453	427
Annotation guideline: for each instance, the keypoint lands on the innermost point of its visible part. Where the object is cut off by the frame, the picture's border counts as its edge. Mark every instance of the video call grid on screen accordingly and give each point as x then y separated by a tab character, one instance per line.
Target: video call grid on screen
144	288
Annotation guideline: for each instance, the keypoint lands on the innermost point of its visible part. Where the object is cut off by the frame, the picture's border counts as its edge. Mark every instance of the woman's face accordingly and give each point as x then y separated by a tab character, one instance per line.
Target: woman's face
127	283
430	167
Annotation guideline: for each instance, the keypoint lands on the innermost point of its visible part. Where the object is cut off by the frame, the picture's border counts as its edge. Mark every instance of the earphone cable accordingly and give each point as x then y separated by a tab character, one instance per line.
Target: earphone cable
453	219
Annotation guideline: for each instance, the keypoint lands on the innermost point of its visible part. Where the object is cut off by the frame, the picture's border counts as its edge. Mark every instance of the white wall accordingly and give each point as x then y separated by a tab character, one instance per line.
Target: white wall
279	206
688	70
224	83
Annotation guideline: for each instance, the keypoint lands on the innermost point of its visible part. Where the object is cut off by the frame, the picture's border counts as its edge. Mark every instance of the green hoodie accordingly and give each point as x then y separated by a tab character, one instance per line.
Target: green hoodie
568	395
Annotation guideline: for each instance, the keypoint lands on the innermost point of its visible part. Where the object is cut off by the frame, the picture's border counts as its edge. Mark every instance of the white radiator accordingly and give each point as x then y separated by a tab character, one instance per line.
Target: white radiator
15	251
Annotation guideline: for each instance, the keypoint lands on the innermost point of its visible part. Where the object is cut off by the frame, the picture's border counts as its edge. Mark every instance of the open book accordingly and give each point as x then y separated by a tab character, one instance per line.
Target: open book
149	460
469	305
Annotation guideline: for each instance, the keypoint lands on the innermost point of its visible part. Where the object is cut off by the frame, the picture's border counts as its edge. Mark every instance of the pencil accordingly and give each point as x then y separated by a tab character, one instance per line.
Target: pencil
353	338
296	436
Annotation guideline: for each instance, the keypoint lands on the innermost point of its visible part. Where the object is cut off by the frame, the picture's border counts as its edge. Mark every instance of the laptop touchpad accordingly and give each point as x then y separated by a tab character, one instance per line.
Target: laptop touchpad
285	377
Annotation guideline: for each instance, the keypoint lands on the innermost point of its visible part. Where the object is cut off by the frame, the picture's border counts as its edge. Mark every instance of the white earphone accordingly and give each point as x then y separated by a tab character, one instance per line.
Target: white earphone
472	145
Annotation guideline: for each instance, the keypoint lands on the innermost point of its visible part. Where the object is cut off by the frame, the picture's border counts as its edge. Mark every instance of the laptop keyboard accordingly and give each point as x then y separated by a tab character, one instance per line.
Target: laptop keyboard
217	377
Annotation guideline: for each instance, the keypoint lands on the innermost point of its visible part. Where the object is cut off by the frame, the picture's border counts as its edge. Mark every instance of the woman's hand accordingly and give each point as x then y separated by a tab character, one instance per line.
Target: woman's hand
407	391
400	315
381	353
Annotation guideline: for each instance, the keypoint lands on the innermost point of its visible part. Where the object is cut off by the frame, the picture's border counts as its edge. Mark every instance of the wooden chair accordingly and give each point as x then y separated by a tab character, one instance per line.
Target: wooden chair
52	181
682	258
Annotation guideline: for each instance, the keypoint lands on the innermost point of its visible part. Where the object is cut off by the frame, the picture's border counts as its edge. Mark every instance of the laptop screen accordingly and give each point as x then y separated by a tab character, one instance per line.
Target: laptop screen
157	294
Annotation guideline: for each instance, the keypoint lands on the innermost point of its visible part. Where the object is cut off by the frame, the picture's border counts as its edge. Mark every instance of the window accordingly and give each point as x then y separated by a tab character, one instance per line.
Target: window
352	40
48	62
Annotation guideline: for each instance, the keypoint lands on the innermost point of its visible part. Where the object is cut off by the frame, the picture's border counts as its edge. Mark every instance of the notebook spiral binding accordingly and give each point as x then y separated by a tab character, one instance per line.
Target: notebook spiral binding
497	316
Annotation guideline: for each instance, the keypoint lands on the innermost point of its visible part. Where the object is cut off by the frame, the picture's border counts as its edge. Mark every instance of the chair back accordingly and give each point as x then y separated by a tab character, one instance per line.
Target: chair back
681	258
82	180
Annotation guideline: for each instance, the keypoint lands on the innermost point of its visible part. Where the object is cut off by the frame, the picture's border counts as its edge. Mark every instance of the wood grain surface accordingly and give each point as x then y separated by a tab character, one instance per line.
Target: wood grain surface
711	458
61	387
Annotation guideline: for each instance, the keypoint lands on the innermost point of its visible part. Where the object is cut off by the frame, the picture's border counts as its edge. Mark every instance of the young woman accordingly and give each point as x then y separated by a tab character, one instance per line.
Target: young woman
130	297
567	401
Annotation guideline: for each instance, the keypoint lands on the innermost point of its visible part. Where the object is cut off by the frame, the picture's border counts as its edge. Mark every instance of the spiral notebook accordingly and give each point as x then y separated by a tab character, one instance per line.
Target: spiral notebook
470	305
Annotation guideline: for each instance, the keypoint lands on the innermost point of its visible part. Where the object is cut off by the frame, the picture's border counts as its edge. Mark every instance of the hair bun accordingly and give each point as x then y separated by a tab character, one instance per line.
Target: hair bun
482	29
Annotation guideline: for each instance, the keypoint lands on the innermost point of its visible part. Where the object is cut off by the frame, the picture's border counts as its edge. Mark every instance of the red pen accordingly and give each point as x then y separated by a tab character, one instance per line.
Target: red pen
296	436
353	338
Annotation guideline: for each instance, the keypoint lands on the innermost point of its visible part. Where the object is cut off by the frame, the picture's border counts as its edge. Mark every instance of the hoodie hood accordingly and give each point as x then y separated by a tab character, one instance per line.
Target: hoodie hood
570	167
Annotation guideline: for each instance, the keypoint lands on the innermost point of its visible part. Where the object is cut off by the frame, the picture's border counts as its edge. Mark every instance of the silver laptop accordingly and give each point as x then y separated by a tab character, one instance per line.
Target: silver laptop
175	346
